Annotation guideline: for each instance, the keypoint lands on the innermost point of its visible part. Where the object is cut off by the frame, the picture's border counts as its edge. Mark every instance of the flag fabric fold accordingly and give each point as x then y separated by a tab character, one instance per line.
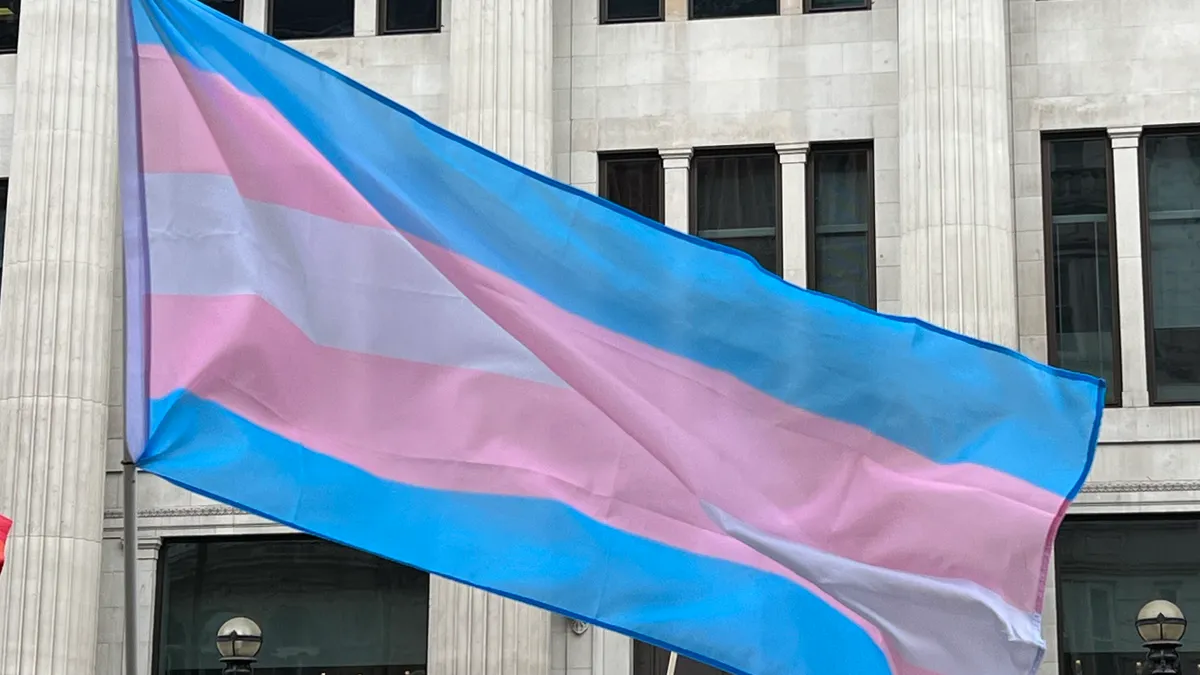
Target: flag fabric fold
348	320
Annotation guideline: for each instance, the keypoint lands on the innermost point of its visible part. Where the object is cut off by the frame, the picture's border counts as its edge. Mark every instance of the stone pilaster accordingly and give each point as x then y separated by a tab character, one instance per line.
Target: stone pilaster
956	208
676	188
501	58
1127	201
793	178
55	306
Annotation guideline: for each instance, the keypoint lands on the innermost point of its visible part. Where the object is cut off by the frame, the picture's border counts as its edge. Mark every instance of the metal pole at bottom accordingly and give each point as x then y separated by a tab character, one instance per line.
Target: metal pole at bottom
129	511
671	663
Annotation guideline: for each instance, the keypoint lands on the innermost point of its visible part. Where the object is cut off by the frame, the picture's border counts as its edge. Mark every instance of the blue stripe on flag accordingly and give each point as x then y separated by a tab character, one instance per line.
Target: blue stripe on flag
753	621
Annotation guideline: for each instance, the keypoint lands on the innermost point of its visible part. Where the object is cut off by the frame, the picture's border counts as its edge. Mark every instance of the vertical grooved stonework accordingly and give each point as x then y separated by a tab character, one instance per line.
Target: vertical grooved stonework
501	55
55	334
957	239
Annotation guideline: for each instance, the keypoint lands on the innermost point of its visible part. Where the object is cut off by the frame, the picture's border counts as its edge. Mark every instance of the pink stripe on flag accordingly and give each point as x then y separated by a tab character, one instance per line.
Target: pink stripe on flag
245	355
196	122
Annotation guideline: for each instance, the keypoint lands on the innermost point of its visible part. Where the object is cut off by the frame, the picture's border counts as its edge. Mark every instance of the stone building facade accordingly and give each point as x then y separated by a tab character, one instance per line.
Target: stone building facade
1026	171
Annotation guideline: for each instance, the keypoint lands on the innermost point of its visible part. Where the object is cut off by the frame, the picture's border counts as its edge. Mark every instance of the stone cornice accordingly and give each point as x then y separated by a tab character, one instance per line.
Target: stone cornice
1115	486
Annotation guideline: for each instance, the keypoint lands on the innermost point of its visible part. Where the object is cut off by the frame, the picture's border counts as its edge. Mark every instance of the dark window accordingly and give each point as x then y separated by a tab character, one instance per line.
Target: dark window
619	11
842	230
635	181
10	15
735	199
835	5
323	608
1172	203
724	9
1081	264
3	216
409	16
302	19
230	8
651	660
1107	568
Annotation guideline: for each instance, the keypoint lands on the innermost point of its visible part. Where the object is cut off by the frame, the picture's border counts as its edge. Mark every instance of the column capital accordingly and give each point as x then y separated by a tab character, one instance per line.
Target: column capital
792	153
676	158
1125	137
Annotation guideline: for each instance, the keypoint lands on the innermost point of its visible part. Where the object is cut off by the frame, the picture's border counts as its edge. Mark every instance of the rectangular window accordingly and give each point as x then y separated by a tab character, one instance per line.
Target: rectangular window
651	660
409	16
1081	264
835	5
627	11
323	608
635	181
10	20
3	217
307	19
735	201
727	9
1171	170
841	248
1106	569
230	8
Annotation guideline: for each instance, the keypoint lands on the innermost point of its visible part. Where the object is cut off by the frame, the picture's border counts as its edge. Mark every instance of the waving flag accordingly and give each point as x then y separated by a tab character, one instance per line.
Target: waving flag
353	322
5	526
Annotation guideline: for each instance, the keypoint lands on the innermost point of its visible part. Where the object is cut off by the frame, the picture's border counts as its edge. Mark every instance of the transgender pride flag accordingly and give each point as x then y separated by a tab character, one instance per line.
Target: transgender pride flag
350	321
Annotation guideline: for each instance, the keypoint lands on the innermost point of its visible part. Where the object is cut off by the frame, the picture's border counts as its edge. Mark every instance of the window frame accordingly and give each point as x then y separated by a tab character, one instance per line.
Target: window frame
604	157
160	566
604	20
269	28
809	9
381	21
754	150
692	15
1147	254
810	213
1115	386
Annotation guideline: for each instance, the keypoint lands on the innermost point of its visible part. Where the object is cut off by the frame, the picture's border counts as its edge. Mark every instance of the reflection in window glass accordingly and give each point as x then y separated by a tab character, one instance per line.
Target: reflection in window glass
635	182
1107	569
613	11
10	14
737	201
410	16
1081	261
303	19
230	8
836	5
323	608
1173	216
843	212
724	9
651	660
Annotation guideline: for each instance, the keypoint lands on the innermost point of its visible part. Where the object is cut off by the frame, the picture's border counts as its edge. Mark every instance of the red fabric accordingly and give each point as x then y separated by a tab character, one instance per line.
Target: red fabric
5	525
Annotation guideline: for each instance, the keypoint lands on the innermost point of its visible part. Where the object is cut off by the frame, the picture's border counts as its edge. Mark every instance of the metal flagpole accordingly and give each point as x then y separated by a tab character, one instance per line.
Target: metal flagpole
671	663
129	510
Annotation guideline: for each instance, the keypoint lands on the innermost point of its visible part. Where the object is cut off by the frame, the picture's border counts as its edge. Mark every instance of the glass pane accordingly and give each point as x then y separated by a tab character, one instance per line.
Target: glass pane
230	8
323	608
10	13
635	183
651	660
410	16
1173	207
713	9
1080	255
823	5
1108	569
298	19
763	249
736	192
632	10
842	211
